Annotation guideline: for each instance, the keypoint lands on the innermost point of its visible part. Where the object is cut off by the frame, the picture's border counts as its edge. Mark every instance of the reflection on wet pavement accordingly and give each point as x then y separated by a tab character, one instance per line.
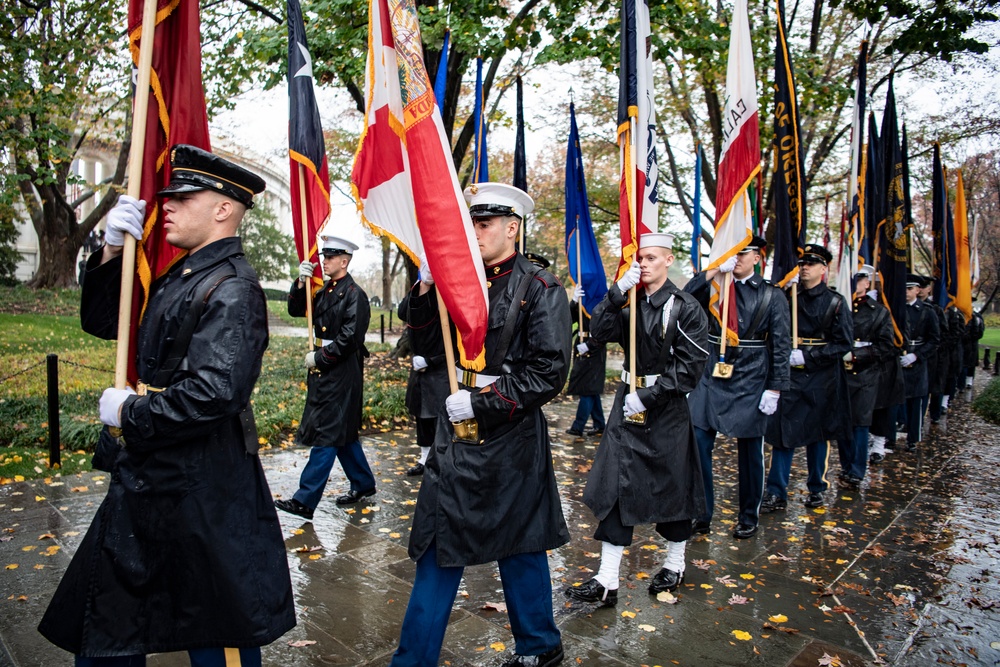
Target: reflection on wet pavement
901	571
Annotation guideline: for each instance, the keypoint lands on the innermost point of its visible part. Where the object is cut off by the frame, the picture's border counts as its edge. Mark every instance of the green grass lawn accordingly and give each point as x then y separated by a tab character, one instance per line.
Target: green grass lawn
990	339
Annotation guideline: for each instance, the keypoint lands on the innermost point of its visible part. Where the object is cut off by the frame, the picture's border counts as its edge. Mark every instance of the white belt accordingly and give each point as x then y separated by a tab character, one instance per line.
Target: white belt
862	343
641	381
472	379
322	342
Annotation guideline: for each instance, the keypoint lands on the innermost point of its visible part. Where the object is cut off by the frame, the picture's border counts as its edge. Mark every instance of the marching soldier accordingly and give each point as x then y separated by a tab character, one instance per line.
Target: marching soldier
973	331
646	469
586	380
816	408
874	344
938	360
495	498
332	416
921	339
738	405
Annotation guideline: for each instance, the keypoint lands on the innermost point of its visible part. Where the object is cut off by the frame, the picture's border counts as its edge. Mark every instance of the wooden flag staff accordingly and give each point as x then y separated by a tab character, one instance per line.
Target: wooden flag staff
722	369
135	163
640	417
579	282
306	243
466	430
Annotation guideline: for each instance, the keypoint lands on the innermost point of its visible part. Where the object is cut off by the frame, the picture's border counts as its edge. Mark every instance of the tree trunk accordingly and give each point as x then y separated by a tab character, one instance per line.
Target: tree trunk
386	273
58	248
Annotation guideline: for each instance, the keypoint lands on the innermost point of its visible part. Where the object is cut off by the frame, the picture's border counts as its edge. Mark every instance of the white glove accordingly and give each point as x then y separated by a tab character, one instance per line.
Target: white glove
110	405
425	272
311	359
125	217
793	280
631	278
632	404
849	356
419	363
459	406
306	271
578	293
583	349
873	294
769	401
728	265
796	358
908	359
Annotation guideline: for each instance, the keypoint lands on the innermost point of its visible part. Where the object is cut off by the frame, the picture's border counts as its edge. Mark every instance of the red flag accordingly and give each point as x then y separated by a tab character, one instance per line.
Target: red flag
176	115
404	179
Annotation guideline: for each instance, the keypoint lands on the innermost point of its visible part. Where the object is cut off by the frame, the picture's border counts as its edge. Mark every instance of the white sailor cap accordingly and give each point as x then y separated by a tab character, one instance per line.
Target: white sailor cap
656	240
866	271
489	199
334	245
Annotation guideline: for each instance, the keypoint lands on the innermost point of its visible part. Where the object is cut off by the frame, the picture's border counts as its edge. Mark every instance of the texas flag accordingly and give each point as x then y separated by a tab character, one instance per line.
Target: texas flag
404	179
739	161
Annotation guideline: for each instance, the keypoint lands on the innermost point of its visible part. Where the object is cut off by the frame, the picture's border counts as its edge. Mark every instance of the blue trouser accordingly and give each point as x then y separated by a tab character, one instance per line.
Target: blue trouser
317	472
817	456
854	452
527	590
203	657
750	453
589	408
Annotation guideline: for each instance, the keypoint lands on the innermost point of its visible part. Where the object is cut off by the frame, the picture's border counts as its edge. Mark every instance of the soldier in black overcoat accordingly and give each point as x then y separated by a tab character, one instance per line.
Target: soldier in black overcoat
938	361
587	377
648	472
920	342
738	406
185	552
495	499
427	386
335	381
816	408
973	331
874	345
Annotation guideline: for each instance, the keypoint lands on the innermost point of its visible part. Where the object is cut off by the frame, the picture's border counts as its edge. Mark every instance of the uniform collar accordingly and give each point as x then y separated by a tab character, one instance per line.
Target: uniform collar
816	289
660	296
211	254
500	268
753	279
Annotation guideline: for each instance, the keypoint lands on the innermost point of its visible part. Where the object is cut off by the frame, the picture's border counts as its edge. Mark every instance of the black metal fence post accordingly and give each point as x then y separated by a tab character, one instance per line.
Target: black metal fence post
382	321
52	368
986	359
390	320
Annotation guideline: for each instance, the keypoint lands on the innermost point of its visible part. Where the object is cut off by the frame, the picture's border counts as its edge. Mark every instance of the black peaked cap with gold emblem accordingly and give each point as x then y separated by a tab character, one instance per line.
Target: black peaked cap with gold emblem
814	252
193	169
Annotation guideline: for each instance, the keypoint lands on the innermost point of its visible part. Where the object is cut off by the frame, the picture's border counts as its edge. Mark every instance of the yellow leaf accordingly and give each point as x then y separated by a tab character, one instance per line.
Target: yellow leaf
628	614
39	567
820	510
707	587
28	548
395	536
315	556
650	547
841	561
39	499
12	566
18	478
741	635
298	531
778	618
499	647
747	576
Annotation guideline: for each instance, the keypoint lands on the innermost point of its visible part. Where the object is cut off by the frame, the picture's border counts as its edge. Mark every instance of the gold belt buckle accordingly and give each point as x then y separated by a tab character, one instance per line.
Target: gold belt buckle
638	419
466	431
141	389
468	378
722	370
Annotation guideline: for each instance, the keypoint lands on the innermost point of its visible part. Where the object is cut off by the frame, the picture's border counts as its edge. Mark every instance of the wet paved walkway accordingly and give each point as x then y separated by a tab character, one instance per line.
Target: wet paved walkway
903	570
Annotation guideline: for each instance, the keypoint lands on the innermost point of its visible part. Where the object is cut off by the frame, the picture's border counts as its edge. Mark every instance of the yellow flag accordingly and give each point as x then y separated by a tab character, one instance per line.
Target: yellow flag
963	295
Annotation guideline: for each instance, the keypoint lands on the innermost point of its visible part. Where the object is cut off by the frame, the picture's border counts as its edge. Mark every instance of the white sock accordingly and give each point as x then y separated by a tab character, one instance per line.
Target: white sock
424	451
611	560
944	401
878	444
675	556
968	382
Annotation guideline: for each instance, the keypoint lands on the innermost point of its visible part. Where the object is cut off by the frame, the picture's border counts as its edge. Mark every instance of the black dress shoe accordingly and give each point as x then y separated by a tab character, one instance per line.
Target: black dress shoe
292	506
415	471
353	496
701	527
854	480
744	530
593	591
574	431
595	432
665	580
814	500
911	446
876	458
548	659
772	504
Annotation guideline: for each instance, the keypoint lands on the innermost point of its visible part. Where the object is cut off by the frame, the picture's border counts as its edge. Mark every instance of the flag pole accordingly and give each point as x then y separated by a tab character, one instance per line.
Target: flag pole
306	242
795	316
449	352
632	292
579	278
136	150
727	282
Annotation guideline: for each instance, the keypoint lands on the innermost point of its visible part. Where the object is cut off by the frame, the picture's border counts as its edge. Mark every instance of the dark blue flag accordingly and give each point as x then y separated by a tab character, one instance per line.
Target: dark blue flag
441	78
480	163
580	239
892	233
696	215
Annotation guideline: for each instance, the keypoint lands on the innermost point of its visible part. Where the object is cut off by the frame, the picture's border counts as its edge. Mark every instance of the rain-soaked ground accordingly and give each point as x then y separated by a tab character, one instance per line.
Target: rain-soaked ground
901	572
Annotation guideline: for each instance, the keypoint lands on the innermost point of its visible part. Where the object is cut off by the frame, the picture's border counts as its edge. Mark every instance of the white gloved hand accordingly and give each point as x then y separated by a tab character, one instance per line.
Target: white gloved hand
908	359
631	278
306	271
419	363
849	356
796	358
793	280
125	218
632	405
110	405
769	401
459	406
582	349
728	265
425	271
311	359
578	293
873	294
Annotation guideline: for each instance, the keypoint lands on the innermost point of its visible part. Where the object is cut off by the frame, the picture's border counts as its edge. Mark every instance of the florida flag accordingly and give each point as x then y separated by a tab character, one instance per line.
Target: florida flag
739	162
404	180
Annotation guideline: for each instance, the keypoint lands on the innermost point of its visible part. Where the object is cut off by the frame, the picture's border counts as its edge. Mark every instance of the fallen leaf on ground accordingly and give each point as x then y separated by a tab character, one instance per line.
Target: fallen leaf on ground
742	635
499	647
647	628
829	660
302	642
737	599
777	618
497	606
